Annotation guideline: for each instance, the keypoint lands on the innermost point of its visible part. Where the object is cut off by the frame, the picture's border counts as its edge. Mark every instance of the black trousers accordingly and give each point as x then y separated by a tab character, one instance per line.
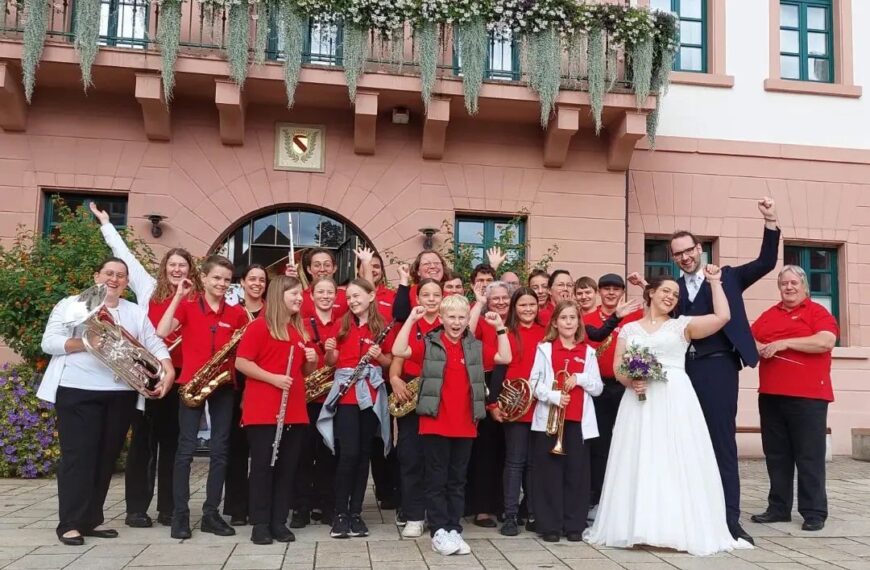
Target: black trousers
386	472
271	487
517	466
354	431
91	427
793	435
716	384
486	470
412	461
220	410
446	466
151	456
560	486
314	484
236	487
606	408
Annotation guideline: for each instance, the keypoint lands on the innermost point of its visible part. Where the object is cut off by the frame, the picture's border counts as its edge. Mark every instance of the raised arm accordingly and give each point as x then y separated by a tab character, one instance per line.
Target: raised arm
477	308
141	282
704	326
496	257
401	348
598	334
364	254
750	272
168	323
402	300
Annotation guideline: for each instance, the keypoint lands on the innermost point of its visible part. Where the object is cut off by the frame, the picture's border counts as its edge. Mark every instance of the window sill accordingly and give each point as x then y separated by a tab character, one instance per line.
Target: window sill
850	353
812	88
702	79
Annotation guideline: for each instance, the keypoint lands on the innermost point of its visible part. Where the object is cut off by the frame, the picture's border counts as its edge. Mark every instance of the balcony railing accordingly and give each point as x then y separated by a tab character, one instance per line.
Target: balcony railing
134	24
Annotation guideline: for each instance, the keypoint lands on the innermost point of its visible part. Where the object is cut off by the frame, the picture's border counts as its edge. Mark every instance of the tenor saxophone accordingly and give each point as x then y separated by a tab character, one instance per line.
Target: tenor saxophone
318	383
210	377
400	410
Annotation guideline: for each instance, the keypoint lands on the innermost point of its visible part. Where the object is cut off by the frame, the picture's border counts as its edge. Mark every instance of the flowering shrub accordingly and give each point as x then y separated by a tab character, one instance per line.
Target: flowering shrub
28	432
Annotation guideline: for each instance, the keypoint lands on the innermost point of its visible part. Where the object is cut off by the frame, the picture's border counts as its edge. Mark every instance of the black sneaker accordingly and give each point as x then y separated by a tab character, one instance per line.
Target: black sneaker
215	524
510	527
180	527
165	519
530	525
340	527
401	520
138	520
358	526
300	519
281	533
260	534
316	515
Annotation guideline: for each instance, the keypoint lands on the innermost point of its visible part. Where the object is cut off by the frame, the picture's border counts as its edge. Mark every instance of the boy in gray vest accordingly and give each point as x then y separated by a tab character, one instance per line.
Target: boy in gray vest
450	403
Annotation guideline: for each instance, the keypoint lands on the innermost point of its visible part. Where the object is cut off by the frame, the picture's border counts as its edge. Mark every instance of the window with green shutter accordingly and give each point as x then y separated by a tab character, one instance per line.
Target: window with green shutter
806	40
478	233
820	265
692	55
115	206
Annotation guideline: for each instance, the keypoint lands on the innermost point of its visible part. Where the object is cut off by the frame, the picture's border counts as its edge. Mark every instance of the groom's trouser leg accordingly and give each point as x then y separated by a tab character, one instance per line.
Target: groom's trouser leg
716	384
606	408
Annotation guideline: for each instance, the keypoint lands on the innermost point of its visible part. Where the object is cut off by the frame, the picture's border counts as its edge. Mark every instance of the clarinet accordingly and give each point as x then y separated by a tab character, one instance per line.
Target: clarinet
282	412
363	363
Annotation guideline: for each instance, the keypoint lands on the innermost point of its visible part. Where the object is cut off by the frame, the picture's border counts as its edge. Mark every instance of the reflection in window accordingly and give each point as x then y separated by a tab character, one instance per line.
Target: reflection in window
124	23
806	40
477	234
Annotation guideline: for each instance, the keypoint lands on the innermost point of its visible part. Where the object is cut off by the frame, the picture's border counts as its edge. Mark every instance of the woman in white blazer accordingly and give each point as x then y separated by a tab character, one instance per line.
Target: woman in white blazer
565	374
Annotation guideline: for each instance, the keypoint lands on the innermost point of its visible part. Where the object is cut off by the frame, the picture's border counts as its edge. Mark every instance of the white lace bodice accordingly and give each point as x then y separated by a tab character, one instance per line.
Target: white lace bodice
668	343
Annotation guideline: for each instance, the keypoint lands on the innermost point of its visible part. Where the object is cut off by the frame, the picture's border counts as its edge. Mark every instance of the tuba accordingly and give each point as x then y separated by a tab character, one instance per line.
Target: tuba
556	417
318	383
515	398
210	377
112	344
399	410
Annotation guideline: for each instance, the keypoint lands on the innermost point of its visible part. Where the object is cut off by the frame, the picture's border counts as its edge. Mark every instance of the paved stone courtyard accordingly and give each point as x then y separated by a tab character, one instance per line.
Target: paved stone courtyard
28	515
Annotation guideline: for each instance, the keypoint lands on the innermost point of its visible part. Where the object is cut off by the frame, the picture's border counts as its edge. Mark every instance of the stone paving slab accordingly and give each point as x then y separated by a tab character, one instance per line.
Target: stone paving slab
28	516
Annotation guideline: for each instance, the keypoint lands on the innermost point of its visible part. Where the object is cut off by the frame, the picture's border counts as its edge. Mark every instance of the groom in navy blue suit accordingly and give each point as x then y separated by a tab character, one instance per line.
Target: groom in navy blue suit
713	363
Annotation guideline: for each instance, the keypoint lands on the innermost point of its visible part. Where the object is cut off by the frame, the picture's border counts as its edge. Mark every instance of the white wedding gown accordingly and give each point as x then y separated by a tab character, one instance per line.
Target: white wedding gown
662	485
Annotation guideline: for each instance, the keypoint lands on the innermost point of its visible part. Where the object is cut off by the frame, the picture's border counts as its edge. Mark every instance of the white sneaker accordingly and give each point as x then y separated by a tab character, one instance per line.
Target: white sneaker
413	529
463	546
443	543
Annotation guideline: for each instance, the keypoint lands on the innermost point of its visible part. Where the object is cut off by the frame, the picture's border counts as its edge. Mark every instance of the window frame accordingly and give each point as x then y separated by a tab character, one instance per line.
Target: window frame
326	60
111	37
48	224
489	223
671	265
704	21
514	74
803	253
803	39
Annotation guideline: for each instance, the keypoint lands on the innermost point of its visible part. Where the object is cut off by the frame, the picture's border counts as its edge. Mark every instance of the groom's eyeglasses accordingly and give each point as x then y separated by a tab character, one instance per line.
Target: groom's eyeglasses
685	253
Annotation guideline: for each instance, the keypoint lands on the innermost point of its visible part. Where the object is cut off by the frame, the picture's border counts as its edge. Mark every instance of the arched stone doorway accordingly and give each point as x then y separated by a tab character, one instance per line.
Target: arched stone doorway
264	237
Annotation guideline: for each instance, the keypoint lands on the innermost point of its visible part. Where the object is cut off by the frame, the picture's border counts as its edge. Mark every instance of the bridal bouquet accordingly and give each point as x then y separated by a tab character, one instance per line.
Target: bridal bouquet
638	363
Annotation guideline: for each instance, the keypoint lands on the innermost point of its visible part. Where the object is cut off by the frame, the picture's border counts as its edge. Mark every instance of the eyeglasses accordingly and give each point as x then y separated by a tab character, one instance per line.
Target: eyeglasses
114	275
431	264
685	253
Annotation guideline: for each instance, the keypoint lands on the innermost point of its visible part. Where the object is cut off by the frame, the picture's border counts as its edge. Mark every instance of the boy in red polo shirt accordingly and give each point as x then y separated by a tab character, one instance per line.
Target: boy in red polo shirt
275	356
320	263
206	323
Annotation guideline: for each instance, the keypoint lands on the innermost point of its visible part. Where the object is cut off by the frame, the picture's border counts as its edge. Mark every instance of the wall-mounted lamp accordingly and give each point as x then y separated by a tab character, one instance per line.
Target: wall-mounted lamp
155	220
429	234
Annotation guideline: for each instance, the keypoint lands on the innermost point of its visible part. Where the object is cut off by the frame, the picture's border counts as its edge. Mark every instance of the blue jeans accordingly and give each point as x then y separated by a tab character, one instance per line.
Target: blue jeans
517	465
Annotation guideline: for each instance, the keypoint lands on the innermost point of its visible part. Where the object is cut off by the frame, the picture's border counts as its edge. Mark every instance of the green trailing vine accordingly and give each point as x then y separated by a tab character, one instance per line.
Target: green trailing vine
666	40
292	30
595	73
427	42
544	56
169	35
355	49
472	40
238	24
263	12
642	56
35	25
87	26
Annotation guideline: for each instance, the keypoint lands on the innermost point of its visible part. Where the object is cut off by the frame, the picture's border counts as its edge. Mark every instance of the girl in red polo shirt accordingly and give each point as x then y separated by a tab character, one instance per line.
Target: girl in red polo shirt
265	357
370	266
410	447
524	334
314	493
206	323
362	410
565	374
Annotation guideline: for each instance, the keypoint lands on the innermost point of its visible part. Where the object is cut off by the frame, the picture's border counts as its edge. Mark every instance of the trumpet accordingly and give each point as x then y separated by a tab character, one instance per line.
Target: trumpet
556	417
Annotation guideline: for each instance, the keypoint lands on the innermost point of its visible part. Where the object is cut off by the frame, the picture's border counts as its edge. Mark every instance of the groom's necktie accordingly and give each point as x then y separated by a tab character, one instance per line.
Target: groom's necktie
693	285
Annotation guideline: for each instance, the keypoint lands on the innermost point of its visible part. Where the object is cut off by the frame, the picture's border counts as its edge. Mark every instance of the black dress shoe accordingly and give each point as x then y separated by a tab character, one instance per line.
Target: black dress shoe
737	532
281	533
550	537
510	527
769	517
813	524
138	520
238	520
574	536
71	540
485	522
165	519
260	534
215	524
300	519
104	533
180	527
530	525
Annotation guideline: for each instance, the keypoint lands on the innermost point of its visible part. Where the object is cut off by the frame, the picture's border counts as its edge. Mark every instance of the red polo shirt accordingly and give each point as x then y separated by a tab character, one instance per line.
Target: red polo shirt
486	334
308	310
413	365
455	414
606	349
384	298
261	400
545	313
523	356
205	332
575	359
352	348
812	377
155	313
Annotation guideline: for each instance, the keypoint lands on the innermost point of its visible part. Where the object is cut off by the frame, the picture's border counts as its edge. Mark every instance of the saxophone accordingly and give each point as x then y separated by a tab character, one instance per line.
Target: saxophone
210	377
399	410
318	383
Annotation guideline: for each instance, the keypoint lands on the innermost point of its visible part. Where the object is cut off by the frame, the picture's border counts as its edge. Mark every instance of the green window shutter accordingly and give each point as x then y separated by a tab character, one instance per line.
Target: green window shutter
806	40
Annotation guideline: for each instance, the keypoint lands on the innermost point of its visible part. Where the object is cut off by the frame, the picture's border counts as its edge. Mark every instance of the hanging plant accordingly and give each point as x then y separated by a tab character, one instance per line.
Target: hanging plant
427	45
34	39
666	40
355	46
472	42
238	28
262	16
642	56
168	35
595	73
576	47
292	32
87	26
544	56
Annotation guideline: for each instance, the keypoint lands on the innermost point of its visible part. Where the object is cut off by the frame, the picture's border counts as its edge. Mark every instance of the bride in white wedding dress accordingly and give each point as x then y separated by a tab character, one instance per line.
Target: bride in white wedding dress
662	485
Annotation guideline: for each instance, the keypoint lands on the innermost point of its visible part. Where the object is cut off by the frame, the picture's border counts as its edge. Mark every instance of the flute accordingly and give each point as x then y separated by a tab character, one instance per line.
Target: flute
282	412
